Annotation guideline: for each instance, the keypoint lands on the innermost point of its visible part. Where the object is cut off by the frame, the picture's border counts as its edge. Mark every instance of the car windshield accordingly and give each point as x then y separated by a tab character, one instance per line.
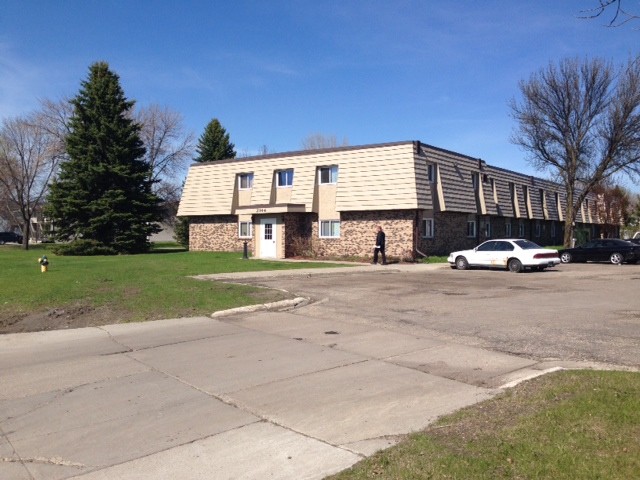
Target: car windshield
526	244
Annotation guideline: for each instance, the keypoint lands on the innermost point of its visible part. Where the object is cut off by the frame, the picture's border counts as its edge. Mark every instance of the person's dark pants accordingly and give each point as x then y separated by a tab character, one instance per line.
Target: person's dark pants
375	255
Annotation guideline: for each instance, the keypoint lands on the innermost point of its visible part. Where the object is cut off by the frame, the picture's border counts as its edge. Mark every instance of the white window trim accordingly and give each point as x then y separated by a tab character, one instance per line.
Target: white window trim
249	176
331	170
250	230
278	178
425	230
331	222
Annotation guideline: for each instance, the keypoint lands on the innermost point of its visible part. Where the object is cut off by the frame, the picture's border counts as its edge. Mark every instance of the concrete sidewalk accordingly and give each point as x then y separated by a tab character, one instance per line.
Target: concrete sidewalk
254	395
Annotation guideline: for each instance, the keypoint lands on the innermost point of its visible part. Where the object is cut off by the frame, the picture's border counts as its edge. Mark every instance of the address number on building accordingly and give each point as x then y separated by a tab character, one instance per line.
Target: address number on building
261	210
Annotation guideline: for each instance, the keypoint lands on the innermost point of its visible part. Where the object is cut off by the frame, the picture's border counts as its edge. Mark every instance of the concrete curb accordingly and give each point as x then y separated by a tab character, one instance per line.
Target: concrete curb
277	306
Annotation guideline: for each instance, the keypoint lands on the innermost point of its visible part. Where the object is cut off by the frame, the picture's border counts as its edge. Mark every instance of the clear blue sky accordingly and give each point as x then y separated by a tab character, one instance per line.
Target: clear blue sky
274	72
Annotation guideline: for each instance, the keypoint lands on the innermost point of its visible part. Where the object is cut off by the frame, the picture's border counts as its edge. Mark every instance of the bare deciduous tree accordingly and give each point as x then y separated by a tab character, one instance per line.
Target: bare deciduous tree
169	149
29	157
169	146
263	150
580	121
318	141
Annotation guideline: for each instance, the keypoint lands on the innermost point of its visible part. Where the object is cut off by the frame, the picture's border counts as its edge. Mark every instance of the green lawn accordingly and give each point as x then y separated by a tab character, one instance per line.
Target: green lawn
569	425
137	287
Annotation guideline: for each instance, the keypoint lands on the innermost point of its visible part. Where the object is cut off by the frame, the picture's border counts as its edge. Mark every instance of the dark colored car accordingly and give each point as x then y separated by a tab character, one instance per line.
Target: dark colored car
10	237
611	250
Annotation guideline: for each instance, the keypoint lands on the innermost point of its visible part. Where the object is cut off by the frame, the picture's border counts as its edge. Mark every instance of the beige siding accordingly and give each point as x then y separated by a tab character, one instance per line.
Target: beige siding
208	190
380	178
377	179
326	207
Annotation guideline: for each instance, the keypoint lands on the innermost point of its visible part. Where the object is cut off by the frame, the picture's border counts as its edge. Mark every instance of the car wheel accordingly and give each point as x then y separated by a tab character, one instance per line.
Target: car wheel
616	258
566	257
515	265
461	263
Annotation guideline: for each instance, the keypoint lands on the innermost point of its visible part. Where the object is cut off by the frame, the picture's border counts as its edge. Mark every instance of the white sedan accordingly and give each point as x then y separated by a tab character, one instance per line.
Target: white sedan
514	254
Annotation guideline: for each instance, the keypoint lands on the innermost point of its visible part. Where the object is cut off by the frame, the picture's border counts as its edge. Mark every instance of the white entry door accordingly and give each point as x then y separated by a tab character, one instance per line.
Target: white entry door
267	238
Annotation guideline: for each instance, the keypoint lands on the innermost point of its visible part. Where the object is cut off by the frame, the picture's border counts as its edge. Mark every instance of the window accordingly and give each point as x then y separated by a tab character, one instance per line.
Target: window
553	229
471	228
507	229
285	178
268	231
328	175
431	172
521	229
245	181
537	228
487	247
487	229
474	181
504	247
245	229
427	228
329	228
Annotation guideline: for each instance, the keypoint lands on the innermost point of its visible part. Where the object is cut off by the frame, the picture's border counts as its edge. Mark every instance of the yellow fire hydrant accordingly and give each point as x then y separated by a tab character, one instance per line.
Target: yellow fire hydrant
44	263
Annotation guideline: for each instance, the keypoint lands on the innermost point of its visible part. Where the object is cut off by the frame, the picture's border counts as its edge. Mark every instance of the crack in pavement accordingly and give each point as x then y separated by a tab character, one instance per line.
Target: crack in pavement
45	461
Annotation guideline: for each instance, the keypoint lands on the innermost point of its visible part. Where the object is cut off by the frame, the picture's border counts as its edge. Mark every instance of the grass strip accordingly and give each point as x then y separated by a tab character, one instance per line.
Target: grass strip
566	425
135	287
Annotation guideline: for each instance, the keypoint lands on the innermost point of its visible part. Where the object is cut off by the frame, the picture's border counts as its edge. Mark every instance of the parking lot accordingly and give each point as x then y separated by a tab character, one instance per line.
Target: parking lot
576	312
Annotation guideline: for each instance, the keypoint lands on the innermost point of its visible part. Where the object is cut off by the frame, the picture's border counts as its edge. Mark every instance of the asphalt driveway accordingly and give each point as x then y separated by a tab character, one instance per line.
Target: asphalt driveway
376	353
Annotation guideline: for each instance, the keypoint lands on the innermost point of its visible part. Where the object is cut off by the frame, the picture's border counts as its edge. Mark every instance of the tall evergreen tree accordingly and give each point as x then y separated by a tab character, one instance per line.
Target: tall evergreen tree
104	191
214	143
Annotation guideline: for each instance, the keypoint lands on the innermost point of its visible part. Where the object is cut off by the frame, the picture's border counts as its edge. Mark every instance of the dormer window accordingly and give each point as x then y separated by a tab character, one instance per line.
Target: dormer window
474	181
431	172
285	178
328	175
245	181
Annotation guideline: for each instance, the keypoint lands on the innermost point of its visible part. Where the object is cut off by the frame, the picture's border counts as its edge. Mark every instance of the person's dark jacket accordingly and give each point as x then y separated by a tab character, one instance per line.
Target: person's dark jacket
380	240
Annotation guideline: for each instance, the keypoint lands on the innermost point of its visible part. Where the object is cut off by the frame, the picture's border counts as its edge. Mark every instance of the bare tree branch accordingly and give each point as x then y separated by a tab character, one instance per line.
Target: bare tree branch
620	16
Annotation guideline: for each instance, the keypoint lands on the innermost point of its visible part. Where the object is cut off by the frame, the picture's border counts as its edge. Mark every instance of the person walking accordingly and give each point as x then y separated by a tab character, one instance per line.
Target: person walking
380	240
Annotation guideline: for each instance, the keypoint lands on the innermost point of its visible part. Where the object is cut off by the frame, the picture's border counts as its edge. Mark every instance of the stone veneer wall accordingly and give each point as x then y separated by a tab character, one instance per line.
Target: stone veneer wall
216	233
358	234
451	233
